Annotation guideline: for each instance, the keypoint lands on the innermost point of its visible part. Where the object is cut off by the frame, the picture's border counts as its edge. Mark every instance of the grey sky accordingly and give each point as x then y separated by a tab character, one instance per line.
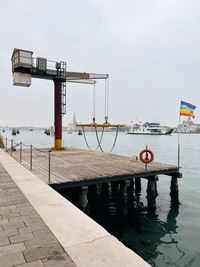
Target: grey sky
150	49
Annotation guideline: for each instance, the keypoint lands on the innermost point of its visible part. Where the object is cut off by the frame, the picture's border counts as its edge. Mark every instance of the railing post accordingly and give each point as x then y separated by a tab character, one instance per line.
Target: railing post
20	152
31	156
49	171
6	143
11	148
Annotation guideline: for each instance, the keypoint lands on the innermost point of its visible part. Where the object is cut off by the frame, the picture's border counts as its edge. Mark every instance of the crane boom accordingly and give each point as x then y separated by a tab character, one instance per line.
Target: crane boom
84	75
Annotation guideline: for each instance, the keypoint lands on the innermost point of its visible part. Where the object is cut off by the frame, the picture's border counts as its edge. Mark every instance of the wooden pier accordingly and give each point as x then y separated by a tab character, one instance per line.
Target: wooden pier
75	168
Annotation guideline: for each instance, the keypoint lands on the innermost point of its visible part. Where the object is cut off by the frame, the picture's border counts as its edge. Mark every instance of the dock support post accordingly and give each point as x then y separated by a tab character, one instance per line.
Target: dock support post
131	187
138	185
130	191
152	193
122	187
105	189
92	193
114	187
174	192
92	189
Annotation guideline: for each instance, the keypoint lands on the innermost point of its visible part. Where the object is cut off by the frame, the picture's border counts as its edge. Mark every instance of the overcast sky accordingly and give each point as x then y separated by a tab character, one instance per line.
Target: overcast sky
150	49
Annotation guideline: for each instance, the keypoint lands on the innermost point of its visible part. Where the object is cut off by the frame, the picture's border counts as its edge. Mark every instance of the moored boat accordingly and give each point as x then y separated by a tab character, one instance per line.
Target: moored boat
14	132
47	131
80	132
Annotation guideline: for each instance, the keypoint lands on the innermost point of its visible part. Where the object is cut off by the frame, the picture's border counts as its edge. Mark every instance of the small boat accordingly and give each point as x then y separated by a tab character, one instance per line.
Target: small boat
14	132
80	132
69	131
147	128
17	131
47	132
3	130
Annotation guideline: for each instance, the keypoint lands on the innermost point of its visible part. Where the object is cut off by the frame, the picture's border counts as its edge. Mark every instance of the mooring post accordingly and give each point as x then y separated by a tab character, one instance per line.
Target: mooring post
138	185
6	143
152	193
174	192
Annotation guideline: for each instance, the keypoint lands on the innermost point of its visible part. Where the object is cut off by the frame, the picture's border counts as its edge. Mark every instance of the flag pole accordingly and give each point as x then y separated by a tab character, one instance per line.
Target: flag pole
179	140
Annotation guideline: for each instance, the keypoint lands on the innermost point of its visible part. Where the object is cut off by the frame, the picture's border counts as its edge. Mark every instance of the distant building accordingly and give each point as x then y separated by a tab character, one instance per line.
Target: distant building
72	126
188	126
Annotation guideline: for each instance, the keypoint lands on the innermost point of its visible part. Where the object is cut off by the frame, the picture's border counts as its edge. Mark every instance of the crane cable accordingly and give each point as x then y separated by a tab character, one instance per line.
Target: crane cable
99	141
106	119
94	116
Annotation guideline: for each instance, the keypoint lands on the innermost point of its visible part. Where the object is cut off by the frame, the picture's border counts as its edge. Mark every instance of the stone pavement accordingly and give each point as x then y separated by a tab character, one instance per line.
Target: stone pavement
25	240
38	225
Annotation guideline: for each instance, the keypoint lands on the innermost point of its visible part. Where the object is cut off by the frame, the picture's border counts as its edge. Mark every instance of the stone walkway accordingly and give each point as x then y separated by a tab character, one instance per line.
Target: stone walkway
25	240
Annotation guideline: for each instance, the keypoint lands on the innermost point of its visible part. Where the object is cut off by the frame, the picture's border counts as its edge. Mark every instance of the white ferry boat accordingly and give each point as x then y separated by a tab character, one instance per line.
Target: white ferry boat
147	128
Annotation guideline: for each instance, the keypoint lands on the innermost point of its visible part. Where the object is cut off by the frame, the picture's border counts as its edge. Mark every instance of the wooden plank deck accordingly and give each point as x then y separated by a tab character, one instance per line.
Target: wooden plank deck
73	167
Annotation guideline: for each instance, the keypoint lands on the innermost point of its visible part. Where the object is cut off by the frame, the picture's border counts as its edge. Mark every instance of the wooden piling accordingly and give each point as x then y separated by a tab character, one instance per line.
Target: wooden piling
174	192
151	193
138	185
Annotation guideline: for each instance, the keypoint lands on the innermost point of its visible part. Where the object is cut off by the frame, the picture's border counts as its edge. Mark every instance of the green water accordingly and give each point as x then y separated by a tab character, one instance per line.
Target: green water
170	237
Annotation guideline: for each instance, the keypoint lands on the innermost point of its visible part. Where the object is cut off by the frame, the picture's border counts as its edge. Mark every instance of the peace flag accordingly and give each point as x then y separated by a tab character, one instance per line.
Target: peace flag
187	109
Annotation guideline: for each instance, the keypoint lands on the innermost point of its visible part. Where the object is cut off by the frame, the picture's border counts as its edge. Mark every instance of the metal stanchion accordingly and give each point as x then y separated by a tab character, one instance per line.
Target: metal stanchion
49	171
31	156
6	143
11	148
20	152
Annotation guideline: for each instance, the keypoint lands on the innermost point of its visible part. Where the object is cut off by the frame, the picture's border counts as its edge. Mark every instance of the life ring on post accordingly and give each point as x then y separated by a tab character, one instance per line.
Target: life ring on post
146	156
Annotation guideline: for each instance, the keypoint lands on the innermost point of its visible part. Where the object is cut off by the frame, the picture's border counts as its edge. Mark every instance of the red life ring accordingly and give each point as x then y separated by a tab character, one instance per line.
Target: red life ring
149	156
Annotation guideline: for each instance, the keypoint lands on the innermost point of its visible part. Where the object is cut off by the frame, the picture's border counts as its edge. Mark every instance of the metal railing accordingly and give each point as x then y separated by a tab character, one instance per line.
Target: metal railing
13	146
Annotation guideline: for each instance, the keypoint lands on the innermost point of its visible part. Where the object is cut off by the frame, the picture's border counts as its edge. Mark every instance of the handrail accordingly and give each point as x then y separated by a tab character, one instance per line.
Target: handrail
20	144
41	150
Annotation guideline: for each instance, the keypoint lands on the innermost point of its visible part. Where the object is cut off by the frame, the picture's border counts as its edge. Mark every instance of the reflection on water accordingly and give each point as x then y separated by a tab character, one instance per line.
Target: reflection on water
120	210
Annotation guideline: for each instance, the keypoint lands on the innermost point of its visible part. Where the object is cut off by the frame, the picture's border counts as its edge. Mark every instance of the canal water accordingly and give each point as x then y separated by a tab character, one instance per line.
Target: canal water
168	237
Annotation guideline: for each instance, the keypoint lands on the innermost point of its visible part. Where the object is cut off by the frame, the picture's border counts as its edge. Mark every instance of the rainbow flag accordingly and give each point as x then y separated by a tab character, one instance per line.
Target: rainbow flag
187	109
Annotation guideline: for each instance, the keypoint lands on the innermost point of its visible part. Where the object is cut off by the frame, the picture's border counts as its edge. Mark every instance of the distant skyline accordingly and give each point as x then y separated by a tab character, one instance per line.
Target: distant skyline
149	48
